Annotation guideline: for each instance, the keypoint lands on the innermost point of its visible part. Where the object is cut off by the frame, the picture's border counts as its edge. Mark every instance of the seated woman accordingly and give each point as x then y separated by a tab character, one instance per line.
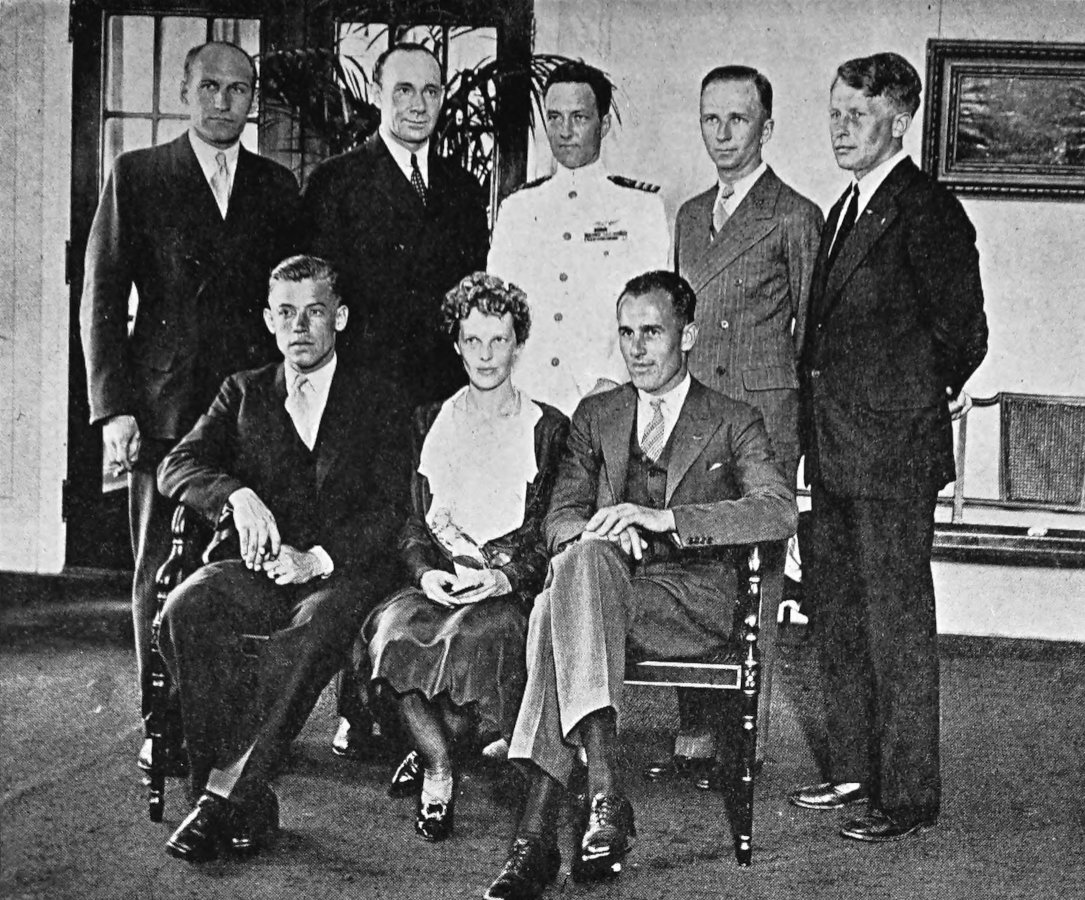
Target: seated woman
451	647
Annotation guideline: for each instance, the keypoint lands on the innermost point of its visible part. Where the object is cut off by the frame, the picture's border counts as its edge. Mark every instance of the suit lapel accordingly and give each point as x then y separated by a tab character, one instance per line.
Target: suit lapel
333	426
879	214
615	430
390	181
690	436
752	221
195	194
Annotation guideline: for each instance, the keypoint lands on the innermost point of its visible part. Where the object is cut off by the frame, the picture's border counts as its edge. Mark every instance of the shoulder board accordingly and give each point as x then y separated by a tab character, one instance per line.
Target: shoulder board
532	184
645	186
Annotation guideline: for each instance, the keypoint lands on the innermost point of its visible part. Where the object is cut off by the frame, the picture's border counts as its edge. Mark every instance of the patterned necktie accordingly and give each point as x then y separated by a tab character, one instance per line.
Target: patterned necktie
301	403
651	441
220	183
719	212
416	180
847	222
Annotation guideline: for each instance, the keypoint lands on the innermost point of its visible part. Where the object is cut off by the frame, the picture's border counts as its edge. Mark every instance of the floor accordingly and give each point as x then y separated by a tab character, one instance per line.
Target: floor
73	822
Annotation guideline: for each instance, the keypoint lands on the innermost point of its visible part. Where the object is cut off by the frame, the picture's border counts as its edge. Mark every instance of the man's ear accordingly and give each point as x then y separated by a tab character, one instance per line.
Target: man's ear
341	316
766	131
604	126
689	337
269	320
901	121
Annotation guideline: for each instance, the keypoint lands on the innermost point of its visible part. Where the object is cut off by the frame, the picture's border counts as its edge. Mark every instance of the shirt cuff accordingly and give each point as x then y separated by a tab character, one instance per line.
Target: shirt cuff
326	564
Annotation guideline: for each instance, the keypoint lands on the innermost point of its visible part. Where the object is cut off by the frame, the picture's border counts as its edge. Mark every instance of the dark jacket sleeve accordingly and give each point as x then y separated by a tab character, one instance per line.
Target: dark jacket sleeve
197	471
416	546
103	308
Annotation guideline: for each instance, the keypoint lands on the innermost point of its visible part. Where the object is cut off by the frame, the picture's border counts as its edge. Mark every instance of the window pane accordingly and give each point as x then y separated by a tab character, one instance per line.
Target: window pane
129	63
243	32
359	47
470	46
121	135
179	35
168	129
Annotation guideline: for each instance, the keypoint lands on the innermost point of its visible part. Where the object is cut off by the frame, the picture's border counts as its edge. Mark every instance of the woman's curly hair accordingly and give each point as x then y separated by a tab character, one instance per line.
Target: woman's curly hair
489	295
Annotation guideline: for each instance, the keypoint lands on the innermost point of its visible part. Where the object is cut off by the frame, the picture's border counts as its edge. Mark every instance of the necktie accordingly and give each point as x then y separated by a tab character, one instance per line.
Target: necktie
719	212
220	183
301	404
847	222
416	180
651	441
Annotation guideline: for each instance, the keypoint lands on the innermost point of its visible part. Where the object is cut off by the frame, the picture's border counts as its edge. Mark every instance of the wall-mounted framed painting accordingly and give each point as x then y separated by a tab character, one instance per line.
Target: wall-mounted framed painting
1006	118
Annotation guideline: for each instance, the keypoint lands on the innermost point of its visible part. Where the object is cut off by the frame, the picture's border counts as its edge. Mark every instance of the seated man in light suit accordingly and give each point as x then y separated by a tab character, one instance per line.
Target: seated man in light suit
652	468
307	458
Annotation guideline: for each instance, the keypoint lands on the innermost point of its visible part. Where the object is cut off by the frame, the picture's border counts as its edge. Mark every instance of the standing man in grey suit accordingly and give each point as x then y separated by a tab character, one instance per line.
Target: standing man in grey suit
304	462
747	245
195	225
402	226
652	468
896	329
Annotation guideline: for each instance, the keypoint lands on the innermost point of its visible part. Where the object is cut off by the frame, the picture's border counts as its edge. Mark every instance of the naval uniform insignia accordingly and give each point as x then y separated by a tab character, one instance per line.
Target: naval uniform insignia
624	182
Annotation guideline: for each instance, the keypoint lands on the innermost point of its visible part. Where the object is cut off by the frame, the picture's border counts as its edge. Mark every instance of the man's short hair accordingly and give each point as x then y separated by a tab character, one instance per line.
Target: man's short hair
887	75
490	296
683	298
190	58
307	268
743	73
579	72
406	47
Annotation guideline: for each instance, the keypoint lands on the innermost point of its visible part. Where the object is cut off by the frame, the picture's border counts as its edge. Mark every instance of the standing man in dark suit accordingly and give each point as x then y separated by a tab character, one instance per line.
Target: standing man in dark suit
896	328
747	245
652	468
195	225
403	226
307	460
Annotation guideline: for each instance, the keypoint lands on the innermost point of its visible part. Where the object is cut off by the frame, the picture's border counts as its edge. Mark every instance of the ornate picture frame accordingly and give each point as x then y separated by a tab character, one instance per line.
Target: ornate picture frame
1006	118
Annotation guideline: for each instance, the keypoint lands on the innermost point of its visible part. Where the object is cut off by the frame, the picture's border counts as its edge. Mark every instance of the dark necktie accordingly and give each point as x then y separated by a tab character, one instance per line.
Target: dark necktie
846	224
416	180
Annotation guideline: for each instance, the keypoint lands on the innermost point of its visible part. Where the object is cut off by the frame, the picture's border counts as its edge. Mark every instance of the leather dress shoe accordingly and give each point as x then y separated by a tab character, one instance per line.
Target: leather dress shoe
205	832
348	742
434	819
827	795
174	758
407	778
253	824
531	865
878	827
608	837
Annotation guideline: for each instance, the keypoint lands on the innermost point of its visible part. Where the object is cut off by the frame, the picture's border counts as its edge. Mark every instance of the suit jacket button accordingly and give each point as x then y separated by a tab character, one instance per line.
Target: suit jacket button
815	373
720	370
724	324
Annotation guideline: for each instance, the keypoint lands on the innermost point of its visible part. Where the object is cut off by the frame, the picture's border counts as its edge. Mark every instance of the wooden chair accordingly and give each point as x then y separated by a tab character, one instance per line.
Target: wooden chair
737	670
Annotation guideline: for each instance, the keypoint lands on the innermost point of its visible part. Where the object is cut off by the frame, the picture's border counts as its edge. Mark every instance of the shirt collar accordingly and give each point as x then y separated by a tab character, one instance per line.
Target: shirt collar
321	379
873	179
741	187
592	172
402	155
672	400
206	153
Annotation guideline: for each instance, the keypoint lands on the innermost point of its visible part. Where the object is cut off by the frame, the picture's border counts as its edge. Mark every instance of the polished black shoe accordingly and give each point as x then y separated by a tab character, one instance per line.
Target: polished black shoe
434	819
407	778
531	865
253	825
174	758
348	742
672	767
205	833
827	795
878	827
608	837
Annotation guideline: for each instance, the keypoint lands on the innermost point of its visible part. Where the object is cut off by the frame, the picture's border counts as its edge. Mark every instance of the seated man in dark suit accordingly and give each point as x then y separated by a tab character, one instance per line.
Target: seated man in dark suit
305	459
652	468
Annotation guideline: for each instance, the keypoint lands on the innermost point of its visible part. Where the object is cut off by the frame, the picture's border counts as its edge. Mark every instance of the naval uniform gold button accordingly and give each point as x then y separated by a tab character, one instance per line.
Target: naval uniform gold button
558	317
567	236
563	277
572	195
554	361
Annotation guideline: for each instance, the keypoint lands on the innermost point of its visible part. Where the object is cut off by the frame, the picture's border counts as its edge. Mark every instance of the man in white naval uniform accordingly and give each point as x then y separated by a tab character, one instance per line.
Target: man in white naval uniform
571	241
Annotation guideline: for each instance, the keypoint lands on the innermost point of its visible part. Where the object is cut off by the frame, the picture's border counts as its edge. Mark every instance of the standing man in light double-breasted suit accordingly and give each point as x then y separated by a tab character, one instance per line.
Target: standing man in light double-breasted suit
747	245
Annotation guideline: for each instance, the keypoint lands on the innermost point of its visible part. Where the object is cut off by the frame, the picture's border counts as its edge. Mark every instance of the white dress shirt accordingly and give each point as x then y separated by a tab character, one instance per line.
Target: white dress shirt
670	408
868	186
741	188
402	155
206	156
